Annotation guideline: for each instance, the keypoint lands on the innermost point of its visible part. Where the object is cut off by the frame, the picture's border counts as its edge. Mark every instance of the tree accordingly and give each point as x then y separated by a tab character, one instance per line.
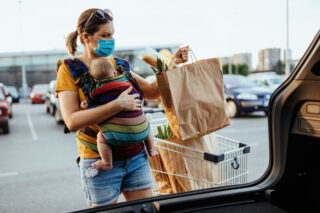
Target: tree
279	67
225	68
241	69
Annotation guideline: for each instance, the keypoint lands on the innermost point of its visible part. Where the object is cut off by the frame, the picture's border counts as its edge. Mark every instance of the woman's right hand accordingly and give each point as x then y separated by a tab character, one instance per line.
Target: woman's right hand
129	102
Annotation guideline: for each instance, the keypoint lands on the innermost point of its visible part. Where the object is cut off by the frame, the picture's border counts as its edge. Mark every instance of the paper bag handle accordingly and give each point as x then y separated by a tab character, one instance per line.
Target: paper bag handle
193	59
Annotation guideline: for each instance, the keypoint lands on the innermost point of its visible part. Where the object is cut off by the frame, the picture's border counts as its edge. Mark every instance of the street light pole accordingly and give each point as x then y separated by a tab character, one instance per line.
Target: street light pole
287	69
229	65
23	67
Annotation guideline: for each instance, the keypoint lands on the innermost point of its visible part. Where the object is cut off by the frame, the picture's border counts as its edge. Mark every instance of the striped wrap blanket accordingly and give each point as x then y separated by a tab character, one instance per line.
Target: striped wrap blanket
126	127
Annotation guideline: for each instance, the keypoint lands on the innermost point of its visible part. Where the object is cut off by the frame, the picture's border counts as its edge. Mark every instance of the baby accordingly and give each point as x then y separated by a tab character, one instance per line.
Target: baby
127	127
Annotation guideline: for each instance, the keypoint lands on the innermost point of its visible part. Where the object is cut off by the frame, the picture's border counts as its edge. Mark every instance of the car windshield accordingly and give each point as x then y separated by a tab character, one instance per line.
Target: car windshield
40	88
12	90
238	82
1	95
276	81
54	86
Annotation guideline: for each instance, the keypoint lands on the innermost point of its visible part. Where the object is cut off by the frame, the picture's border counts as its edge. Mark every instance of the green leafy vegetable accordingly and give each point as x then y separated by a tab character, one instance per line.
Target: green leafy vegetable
161	66
165	133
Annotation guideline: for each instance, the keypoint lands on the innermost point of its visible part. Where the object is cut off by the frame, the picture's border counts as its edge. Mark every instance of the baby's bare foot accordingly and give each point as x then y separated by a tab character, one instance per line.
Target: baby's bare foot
153	152
101	165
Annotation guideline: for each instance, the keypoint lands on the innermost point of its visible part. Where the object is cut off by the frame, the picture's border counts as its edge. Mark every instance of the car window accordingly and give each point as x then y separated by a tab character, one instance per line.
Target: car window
1	95
276	81
265	82
238	33
12	90
239	82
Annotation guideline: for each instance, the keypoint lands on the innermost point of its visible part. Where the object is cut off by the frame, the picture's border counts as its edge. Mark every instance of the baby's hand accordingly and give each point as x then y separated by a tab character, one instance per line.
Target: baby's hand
84	105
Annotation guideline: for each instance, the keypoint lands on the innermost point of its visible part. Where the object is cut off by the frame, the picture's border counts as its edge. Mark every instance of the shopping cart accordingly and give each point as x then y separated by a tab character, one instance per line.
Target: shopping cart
179	168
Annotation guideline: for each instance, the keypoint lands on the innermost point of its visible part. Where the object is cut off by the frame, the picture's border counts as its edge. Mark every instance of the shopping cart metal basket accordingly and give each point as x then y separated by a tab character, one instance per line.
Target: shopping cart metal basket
180	168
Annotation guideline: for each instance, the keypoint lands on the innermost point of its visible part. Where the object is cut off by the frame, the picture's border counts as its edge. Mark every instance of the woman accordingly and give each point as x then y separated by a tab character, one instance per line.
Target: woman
131	173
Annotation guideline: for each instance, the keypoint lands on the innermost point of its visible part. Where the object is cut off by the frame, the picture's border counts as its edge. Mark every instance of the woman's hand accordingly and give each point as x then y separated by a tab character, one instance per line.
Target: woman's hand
181	55
129	102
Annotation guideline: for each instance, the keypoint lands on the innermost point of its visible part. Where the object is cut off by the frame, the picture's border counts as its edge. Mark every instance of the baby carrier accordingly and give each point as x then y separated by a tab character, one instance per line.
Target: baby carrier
79	72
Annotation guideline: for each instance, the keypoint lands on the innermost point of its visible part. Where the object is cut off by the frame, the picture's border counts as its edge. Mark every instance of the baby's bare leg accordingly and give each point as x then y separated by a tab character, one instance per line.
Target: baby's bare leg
105	153
149	142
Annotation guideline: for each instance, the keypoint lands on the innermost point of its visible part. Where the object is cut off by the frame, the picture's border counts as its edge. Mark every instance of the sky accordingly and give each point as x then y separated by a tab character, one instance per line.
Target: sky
212	28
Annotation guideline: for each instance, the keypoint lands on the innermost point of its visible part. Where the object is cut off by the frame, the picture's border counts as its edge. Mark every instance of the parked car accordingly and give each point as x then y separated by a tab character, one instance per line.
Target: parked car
8	100
52	102
38	93
50	99
13	92
5	109
244	95
267	79
57	112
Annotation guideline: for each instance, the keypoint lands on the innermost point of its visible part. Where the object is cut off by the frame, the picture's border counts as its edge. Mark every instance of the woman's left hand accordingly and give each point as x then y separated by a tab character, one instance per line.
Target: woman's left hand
181	55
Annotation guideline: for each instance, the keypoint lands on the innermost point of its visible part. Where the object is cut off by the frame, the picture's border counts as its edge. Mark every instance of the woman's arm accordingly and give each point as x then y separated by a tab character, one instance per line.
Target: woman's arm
150	90
76	119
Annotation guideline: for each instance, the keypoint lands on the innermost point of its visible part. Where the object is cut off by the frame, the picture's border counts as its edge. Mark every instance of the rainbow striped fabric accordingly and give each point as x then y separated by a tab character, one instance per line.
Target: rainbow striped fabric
126	127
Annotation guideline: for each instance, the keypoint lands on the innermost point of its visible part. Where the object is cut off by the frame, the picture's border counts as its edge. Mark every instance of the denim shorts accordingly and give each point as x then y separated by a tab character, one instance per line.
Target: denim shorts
103	187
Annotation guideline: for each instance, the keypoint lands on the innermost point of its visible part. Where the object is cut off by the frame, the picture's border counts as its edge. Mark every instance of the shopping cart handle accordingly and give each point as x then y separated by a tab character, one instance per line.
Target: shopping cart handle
153	110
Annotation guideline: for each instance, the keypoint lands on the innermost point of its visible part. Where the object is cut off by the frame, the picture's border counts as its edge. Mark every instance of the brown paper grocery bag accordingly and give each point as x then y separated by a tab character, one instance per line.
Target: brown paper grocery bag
193	98
174	173
204	174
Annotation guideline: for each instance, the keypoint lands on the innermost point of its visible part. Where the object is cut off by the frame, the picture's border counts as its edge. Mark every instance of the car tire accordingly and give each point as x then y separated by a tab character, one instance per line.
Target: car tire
266	113
232	108
47	107
10	116
57	117
52	110
6	128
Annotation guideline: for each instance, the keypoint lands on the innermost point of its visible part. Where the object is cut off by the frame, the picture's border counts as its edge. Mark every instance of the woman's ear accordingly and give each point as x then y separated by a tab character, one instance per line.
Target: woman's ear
85	37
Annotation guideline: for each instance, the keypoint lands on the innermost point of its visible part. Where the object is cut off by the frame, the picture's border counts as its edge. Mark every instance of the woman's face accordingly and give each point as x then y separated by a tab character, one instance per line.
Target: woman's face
105	32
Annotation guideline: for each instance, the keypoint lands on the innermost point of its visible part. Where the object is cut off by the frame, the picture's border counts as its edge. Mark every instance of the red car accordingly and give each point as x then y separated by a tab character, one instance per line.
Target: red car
5	111
38	93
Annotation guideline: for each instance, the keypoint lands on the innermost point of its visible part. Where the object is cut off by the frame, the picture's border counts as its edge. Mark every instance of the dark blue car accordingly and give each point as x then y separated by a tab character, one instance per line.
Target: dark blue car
244	95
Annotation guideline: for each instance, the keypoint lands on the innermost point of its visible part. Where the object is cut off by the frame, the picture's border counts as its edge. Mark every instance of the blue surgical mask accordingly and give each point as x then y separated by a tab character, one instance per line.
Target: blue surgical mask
105	48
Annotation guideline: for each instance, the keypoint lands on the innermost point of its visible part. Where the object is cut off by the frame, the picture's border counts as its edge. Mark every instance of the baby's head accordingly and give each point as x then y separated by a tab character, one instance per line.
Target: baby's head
101	68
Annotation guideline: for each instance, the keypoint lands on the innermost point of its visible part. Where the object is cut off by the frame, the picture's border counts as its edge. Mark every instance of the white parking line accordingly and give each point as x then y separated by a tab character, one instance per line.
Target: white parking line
8	174
33	132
